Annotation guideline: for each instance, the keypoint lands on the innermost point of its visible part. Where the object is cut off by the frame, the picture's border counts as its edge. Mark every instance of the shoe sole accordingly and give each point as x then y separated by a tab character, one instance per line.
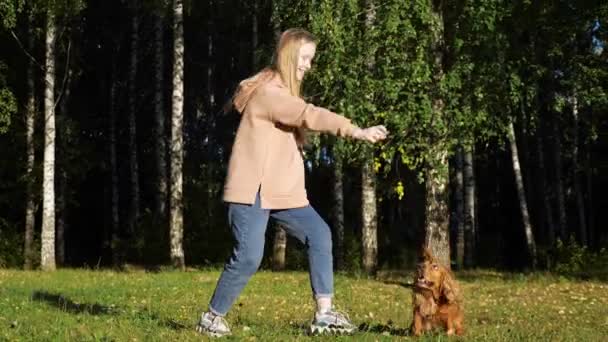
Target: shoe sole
313	330
204	331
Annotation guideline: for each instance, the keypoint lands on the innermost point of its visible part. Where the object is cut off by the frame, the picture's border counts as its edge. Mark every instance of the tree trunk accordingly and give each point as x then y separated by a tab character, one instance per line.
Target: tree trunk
62	185
521	194
470	234
459	207
523	151
580	202
210	110
544	190
254	36
559	182
133	165
177	149
30	113
437	232
437	237
369	222
279	247
338	211
279	244
47	255
115	245
159	111
210	53
369	227
589	181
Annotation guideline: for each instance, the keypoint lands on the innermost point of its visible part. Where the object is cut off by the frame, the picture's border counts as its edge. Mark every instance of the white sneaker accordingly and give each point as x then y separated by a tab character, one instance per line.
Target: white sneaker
212	325
332	322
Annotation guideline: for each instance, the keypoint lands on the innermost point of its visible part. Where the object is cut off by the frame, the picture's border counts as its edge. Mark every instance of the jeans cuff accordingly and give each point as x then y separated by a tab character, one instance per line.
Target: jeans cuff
213	311
324	295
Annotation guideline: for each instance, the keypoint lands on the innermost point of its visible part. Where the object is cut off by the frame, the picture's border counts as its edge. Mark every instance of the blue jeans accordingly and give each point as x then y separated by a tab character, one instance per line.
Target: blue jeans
248	224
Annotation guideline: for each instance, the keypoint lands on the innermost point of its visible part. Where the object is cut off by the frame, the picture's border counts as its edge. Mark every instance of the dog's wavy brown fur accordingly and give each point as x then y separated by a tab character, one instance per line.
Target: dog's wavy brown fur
436	300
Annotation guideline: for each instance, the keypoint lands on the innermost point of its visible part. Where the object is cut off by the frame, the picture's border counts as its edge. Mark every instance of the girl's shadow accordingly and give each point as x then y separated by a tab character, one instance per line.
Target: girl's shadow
68	305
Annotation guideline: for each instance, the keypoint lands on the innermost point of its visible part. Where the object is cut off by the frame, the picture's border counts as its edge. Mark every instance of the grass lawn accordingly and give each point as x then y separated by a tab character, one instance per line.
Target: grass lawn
85	305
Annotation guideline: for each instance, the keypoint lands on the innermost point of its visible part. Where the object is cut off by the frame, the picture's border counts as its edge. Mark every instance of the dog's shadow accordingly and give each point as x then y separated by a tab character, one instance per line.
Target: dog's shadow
384	329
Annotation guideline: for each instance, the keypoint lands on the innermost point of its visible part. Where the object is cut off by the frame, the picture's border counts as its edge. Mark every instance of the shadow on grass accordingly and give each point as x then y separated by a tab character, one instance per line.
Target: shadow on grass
163	322
68	305
385	329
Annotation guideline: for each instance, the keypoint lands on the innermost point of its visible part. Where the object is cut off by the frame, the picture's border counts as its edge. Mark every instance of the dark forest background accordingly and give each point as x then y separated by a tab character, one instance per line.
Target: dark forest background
497	155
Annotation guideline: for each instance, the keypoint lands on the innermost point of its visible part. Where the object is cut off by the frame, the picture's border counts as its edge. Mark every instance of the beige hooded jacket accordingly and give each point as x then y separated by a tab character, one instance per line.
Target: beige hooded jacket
265	155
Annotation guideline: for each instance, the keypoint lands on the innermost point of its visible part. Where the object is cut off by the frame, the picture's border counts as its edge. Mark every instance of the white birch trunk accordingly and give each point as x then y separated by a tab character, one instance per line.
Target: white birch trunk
279	248
369	227
176	232
437	237
521	194
47	253
369	221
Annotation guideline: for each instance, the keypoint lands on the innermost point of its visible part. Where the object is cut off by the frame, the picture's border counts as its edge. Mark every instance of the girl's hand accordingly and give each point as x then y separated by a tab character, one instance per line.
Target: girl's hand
371	134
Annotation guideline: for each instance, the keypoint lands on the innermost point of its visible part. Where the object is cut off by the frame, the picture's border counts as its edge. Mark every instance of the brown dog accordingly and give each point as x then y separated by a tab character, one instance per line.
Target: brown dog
436	298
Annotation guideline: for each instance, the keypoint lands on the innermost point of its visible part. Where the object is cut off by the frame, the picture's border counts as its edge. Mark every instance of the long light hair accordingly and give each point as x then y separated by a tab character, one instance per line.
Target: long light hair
285	59
285	64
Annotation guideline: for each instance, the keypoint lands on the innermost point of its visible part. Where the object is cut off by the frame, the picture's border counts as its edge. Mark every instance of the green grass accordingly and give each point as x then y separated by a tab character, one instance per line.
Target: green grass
83	305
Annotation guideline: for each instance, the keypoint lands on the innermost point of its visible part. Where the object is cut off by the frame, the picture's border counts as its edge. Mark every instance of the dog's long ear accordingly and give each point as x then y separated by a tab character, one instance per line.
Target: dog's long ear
449	287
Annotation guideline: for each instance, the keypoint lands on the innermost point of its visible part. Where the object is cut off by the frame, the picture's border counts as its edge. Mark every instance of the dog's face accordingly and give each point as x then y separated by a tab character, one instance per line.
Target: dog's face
429	274
433	279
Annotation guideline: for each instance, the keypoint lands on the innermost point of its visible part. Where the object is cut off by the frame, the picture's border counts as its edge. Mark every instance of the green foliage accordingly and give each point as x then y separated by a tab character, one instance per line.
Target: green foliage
9	10
8	106
8	103
387	74
574	260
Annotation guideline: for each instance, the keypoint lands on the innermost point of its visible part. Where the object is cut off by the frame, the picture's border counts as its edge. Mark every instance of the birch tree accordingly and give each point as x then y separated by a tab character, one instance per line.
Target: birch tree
521	197
30	117
176	198
47	252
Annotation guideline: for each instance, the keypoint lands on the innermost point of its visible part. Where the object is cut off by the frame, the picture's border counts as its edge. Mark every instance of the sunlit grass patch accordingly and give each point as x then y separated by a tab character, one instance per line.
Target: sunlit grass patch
77	305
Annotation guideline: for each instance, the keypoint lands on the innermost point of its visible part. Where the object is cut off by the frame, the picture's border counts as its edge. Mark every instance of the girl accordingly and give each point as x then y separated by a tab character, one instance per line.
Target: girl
266	179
